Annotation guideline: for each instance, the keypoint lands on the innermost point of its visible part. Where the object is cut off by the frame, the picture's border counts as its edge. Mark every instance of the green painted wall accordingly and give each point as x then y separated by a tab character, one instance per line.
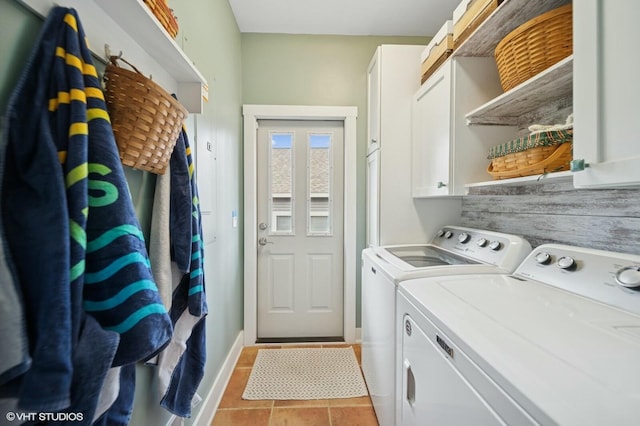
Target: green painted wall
18	31
210	37
286	69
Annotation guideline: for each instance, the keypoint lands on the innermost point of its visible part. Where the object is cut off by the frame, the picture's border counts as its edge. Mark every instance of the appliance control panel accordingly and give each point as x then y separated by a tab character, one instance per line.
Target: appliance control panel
608	277
494	248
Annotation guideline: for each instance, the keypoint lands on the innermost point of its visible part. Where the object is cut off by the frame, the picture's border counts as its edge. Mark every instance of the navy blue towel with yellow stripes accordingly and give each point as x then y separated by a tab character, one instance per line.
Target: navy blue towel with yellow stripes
78	253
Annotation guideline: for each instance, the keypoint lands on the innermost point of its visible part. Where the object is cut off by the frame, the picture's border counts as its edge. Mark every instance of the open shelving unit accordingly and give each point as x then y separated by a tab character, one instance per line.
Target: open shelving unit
129	26
550	90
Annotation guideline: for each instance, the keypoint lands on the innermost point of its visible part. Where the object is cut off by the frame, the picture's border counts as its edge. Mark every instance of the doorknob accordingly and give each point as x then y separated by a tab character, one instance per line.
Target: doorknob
262	226
263	241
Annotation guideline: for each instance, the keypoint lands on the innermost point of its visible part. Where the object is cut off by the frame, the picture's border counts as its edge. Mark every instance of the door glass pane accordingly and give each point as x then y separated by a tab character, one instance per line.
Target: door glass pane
281	171
319	184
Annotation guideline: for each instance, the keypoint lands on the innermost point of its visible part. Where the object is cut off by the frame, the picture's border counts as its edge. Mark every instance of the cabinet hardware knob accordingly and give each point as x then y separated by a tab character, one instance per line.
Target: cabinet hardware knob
441	184
578	165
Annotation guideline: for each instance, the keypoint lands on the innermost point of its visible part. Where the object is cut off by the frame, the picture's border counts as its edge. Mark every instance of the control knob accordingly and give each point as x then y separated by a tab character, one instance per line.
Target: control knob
440	233
629	276
566	263
543	258
448	234
482	242
495	245
464	237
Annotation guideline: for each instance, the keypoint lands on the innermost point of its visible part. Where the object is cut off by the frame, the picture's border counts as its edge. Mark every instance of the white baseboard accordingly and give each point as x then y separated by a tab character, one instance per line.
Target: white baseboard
212	399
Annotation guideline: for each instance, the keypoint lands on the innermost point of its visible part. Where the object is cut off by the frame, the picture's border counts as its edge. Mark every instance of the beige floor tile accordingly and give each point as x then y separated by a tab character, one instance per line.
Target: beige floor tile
318	416
350	402
232	397
249	354
302	403
353	416
233	417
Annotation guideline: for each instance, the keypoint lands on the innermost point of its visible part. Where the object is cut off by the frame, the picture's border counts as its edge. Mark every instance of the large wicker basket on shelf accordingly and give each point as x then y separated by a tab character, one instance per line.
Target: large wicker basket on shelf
146	120
536	154
535	46
165	15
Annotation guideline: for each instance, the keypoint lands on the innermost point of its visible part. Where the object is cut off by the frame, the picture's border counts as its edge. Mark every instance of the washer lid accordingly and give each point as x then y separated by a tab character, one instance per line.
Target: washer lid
566	359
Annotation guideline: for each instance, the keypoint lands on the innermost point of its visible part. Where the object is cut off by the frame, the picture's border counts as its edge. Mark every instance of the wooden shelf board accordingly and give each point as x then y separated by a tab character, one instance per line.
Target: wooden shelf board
526	180
507	17
547	87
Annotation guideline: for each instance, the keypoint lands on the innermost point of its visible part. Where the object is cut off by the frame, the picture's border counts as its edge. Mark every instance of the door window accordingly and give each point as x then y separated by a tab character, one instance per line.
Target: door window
319	184
281	172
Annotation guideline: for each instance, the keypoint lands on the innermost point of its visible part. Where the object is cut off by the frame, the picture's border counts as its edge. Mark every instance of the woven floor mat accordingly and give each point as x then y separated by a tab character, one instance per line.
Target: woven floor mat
305	373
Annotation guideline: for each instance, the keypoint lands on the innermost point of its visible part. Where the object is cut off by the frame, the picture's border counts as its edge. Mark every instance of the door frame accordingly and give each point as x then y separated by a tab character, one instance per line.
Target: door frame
253	113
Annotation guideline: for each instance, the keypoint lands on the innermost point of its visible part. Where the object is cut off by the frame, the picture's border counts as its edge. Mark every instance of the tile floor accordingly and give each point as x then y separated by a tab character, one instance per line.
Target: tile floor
234	411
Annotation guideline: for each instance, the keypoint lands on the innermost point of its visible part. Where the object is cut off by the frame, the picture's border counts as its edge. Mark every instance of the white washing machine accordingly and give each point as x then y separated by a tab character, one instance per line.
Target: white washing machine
453	250
556	343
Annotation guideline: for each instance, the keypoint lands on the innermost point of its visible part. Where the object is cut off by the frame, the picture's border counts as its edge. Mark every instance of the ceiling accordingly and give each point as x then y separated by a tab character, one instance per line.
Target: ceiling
343	17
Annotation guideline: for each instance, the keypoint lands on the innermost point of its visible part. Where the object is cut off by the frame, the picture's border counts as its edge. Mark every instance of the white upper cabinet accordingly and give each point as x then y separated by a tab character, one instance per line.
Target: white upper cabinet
606	93
431	135
446	152
450	147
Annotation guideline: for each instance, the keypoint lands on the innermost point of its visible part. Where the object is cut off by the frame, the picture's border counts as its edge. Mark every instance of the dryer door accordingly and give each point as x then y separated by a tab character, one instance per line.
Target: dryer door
433	391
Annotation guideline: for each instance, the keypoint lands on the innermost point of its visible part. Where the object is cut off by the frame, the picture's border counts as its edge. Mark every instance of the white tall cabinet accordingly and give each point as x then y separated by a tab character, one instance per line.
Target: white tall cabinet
393	217
606	92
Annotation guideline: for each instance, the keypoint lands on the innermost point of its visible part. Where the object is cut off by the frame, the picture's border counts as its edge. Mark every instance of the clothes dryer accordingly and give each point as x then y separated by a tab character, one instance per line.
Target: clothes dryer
453	250
556	342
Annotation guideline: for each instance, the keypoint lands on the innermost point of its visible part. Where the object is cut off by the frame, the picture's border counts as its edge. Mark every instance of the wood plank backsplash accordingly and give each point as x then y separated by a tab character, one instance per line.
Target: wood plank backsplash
555	212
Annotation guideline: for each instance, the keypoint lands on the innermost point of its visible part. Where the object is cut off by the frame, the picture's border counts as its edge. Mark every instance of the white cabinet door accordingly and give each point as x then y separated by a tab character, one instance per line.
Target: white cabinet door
606	92
373	102
431	135
446	152
373	198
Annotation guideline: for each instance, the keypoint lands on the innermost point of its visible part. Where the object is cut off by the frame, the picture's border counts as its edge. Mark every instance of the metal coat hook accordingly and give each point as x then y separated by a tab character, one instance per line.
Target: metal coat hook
107	52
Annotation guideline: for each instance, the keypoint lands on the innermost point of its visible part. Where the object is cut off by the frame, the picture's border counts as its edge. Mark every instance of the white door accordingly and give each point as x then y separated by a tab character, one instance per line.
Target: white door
300	229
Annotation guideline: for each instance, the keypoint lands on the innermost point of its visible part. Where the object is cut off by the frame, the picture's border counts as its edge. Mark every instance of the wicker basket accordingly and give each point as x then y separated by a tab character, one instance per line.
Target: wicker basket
161	10
146	120
534	161
535	46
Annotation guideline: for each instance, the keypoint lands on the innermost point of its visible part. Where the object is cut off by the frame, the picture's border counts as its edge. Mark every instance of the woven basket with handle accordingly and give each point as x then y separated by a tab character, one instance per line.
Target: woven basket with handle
165	15
534	161
146	120
535	46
